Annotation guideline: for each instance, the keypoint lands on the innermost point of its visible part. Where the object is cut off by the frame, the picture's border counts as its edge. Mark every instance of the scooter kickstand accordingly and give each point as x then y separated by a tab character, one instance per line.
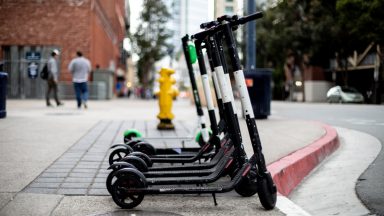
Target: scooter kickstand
214	199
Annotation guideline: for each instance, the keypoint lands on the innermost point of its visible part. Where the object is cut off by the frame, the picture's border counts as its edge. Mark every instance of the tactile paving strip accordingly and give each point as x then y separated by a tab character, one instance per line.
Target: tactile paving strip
82	169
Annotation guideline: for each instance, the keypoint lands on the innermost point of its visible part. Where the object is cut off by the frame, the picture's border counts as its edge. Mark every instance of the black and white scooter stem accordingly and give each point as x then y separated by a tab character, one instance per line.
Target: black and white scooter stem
196	97
245	99
206	87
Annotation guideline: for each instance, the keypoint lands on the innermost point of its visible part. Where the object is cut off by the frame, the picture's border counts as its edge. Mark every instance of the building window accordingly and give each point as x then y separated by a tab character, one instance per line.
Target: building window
228	9
23	64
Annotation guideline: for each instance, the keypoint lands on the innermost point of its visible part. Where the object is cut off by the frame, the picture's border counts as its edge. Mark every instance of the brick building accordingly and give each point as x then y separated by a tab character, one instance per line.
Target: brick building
30	29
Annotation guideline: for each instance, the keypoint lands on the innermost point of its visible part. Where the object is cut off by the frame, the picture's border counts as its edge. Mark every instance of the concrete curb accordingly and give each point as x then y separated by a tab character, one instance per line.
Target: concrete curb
290	170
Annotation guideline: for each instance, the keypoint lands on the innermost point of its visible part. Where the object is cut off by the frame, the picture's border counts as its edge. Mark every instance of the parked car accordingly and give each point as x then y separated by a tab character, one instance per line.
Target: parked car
340	94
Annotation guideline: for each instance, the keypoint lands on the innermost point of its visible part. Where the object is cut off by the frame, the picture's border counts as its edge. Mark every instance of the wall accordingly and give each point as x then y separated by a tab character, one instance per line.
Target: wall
50	23
93	26
107	32
220	7
316	90
315	85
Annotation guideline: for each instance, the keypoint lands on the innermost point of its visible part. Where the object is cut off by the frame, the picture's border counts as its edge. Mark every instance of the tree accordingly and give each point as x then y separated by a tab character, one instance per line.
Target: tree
361	22
150	42
301	26
319	28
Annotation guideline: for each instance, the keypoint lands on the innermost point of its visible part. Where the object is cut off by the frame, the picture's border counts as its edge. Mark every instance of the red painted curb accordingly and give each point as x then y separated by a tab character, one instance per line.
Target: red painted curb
290	170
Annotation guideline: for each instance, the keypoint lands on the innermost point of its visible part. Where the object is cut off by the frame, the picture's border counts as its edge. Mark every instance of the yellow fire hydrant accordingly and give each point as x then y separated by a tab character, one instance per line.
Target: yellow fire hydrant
166	95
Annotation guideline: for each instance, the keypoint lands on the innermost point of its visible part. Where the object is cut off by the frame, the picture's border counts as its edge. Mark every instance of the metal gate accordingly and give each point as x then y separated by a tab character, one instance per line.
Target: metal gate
17	63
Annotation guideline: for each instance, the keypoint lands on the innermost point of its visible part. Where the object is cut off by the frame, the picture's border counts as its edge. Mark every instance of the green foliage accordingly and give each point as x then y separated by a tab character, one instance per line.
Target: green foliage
301	26
150	42
319	28
361	22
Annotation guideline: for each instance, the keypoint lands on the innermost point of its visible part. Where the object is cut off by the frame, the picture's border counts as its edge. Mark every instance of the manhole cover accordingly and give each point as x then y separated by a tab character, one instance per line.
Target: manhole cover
135	213
64	113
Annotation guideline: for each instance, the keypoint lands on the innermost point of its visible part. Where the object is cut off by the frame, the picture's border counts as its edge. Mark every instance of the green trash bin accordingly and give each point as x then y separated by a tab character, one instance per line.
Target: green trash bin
3	93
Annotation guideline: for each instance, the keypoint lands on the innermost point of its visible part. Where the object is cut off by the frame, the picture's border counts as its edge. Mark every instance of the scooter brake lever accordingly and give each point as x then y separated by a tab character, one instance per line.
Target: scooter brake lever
235	17
209	24
224	18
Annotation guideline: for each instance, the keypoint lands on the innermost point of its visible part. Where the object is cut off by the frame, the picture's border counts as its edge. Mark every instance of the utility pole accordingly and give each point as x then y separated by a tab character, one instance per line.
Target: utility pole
250	48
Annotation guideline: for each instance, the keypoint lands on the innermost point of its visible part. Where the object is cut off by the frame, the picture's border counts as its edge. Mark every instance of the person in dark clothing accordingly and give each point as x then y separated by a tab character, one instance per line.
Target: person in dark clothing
53	78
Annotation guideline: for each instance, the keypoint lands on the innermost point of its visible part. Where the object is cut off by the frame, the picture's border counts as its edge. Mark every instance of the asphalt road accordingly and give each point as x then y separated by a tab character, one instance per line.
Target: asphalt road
365	118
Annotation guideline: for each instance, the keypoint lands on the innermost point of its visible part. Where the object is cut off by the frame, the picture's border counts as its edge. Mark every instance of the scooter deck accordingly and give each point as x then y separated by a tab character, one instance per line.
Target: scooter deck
185	152
207	165
225	163
219	188
186	173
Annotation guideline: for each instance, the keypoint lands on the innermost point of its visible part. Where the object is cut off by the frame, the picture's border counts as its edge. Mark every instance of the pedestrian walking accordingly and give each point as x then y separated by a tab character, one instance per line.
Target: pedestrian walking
53	77
80	67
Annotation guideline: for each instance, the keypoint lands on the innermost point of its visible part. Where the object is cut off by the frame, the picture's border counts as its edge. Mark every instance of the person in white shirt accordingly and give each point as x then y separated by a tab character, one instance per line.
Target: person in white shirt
53	77
80	67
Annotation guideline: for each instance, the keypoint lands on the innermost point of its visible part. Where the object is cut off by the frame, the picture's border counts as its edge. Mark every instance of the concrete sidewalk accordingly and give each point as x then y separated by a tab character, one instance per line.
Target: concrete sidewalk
335	179
34	138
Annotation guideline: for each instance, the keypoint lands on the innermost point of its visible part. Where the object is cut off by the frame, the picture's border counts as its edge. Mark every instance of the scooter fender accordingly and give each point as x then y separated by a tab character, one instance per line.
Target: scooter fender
132	171
119	165
144	147
142	142
133	142
122	145
136	161
143	156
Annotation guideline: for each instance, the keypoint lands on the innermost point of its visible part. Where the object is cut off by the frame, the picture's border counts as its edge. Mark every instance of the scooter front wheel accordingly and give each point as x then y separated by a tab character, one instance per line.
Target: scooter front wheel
248	186
267	191
122	193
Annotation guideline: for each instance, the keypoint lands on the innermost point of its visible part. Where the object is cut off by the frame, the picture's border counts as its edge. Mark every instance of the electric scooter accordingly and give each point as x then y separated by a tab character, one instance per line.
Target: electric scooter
204	152
212	163
133	139
130	187
192	170
214	172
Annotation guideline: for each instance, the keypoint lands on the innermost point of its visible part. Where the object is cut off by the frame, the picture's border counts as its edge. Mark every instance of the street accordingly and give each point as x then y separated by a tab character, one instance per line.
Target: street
364	118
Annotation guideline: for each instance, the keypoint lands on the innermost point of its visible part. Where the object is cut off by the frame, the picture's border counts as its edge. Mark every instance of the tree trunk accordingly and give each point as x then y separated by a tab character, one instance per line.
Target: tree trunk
146	72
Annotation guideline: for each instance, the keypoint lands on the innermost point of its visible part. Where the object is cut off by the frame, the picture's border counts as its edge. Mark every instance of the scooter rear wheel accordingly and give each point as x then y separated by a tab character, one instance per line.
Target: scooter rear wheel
137	162
111	176
143	156
248	186
117	154
131	143
200	140
145	148
267	191
131	133
120	189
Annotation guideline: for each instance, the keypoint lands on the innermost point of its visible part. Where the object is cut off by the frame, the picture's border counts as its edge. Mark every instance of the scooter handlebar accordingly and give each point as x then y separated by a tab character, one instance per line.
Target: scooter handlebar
233	20
248	18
